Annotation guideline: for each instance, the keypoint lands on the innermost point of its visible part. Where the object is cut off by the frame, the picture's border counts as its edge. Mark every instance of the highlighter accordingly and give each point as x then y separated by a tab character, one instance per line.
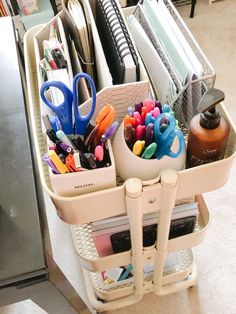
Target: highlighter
57	162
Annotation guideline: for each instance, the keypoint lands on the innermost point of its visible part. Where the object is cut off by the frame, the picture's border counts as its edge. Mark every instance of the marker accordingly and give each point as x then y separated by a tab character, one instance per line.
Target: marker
137	118
50	163
149	134
149	118
166	108
110	131
70	163
61	136
130	111
49	59
155	112
91	160
149	151
57	162
149	103
52	136
143	114
138	106
66	149
158	104
79	144
129	134
140	132
138	147
99	152
129	120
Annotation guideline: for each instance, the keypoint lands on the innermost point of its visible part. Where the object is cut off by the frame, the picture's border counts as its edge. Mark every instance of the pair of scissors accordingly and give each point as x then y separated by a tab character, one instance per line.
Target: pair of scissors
164	139
104	120
64	110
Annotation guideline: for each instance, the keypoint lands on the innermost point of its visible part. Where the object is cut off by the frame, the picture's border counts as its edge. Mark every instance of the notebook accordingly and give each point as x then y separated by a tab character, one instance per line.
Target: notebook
117	45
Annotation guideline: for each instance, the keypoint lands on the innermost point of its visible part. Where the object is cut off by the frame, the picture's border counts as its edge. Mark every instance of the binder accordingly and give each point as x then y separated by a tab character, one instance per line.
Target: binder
117	44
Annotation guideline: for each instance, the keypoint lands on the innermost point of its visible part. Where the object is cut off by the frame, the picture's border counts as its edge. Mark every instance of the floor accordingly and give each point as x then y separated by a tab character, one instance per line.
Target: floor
214	27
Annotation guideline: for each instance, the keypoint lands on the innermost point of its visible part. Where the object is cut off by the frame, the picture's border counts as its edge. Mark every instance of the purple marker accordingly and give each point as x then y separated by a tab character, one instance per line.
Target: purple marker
47	159
138	107
109	132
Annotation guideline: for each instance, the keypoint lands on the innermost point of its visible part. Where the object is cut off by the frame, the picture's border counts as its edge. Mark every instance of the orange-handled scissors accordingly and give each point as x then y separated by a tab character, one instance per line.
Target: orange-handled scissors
104	120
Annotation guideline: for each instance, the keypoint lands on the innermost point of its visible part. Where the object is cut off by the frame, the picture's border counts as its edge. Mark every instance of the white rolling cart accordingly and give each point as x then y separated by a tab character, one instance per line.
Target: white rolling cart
134	198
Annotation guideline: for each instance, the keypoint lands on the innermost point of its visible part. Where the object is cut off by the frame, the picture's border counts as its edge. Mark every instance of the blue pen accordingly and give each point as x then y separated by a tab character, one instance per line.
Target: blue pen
126	273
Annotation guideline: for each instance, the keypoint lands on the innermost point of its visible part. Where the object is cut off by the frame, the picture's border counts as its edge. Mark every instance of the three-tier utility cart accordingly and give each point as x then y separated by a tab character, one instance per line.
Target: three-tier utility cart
134	198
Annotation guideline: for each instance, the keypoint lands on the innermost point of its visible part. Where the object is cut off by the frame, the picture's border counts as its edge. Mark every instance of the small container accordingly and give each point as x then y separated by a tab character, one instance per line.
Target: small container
128	165
208	131
77	183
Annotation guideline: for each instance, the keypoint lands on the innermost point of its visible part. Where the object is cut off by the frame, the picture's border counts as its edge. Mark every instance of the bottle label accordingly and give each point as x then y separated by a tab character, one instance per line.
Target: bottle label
210	156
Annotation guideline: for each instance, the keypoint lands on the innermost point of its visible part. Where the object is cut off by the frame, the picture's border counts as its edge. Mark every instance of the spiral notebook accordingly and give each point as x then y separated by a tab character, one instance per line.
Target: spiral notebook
117	45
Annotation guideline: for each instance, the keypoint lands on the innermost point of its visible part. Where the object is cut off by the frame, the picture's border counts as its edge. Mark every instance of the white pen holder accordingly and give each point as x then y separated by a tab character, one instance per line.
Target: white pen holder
128	165
82	182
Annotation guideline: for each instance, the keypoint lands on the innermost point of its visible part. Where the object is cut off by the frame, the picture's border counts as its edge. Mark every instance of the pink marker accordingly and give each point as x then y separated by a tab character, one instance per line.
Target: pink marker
137	117
155	112
140	132
149	103
99	152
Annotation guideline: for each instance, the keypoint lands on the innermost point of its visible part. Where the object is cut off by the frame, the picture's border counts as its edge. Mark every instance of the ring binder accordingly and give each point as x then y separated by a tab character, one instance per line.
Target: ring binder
118	47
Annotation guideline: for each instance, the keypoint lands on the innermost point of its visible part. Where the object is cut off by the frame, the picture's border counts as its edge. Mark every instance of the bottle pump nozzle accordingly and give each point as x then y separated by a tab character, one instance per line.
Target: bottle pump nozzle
210	116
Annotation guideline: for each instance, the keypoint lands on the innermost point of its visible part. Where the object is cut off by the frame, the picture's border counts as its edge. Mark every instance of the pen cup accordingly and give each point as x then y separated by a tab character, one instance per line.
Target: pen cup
128	165
83	182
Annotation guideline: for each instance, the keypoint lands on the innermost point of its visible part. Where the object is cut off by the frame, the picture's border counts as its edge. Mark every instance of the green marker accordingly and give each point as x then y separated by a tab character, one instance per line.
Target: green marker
149	151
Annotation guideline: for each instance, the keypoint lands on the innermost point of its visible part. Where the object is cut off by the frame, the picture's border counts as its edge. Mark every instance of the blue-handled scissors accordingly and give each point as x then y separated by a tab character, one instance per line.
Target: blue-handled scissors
165	139
64	110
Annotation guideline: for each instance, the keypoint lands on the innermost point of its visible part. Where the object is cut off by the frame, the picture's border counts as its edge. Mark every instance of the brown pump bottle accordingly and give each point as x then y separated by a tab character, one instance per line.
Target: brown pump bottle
208	131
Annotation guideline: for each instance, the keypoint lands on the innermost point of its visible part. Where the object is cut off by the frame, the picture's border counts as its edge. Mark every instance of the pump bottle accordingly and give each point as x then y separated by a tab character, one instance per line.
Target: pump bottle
208	131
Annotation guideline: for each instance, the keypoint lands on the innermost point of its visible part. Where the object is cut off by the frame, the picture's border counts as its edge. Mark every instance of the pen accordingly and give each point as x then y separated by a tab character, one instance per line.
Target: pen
91	160
61	167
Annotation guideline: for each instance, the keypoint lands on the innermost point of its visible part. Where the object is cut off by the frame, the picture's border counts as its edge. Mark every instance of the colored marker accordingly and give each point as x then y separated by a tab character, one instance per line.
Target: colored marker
57	162
137	118
158	104
129	120
149	151
129	134
110	131
61	136
52	136
138	147
138	106
99	152
149	103
47	159
140	132
149	134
